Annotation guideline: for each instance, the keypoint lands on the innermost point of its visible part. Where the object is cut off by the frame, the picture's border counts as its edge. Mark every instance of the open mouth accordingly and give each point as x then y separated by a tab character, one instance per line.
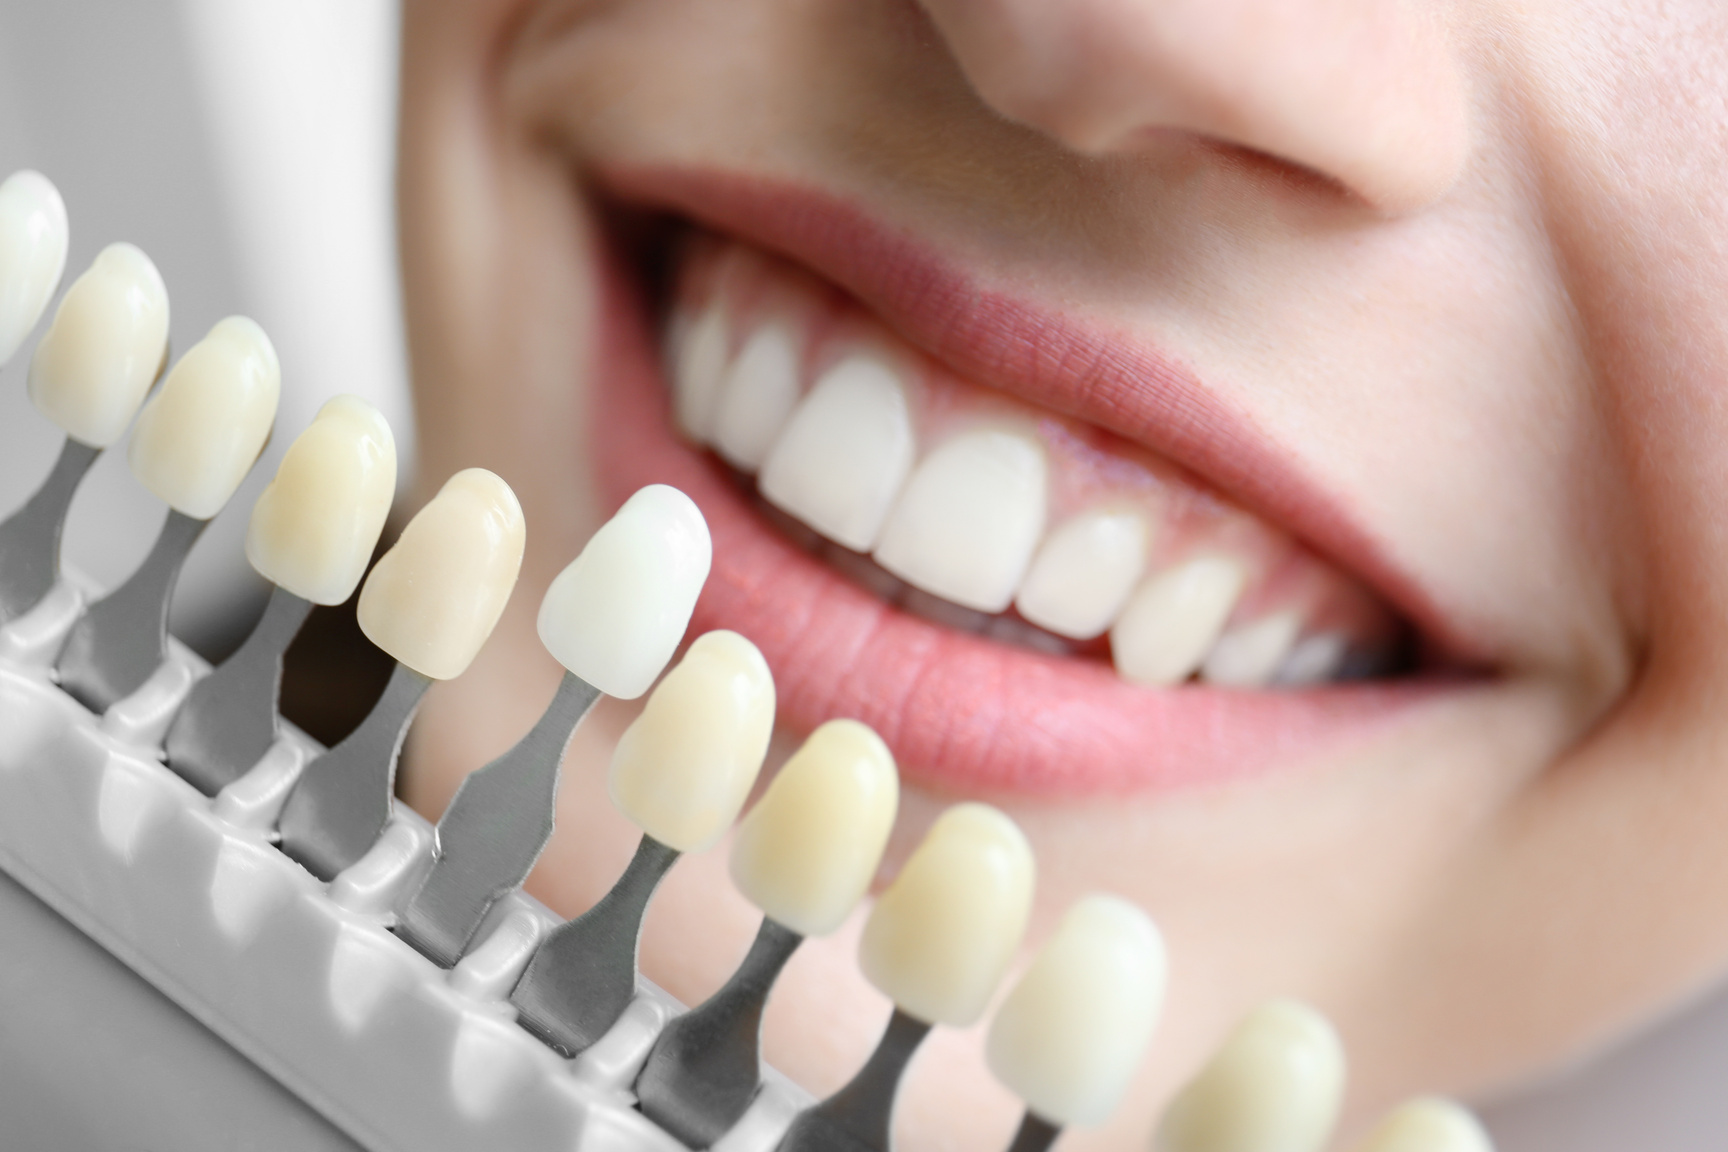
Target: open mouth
1015	596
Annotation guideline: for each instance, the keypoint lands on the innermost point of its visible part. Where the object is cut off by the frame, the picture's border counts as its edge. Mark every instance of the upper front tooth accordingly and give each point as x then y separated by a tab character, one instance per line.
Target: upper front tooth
1314	659
844	453
314	528
966	523
431	601
33	239
1274	1086
1071	1034
1428	1125
99	357
615	615
805	854
683	769
1083	573
1172	619
201	434
940	938
698	360
1249	655
756	395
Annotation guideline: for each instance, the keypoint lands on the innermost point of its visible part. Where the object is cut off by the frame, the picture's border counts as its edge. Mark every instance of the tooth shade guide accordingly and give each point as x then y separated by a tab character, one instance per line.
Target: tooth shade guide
229	720
105	347
1276	1082
198	436
684	767
123	638
30	537
1429	1124
940	937
583	975
432	600
493	831
1075	1027
705	1067
316	525
342	801
33	240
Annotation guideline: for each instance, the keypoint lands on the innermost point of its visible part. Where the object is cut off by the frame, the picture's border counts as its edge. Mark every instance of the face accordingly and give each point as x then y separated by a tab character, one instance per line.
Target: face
1271	450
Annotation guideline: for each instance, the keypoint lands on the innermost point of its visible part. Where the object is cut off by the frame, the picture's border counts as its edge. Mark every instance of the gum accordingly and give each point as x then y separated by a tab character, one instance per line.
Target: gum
304	979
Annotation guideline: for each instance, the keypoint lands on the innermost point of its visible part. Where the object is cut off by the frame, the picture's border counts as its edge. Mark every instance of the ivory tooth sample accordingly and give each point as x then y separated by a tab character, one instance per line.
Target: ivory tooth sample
1274	1086
312	533
89	373
195	442
616	614
1072	1032
937	943
33	238
430	602
804	855
613	618
1428	1125
681	772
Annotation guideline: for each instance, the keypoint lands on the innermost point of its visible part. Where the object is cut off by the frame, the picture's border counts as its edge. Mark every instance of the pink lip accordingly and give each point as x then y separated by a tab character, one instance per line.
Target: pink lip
964	714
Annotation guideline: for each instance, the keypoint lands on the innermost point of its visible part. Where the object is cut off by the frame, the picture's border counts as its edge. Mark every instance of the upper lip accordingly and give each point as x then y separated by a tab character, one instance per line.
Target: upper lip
996	339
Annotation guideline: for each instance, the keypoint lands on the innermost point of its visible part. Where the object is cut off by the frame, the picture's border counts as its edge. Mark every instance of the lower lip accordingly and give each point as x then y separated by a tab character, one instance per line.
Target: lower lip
962	714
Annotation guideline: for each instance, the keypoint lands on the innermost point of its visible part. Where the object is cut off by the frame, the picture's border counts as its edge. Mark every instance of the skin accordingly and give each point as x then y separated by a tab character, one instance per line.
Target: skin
1461	259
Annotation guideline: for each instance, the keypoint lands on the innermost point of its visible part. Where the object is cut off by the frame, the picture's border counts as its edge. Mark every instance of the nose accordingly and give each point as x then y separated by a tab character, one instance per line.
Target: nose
1364	92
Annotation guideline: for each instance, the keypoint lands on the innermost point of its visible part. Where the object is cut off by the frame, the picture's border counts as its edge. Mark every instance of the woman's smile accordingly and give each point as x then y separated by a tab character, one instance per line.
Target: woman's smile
1028	553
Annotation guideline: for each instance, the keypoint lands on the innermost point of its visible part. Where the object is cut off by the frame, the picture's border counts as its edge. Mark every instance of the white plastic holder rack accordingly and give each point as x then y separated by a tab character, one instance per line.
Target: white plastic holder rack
303	978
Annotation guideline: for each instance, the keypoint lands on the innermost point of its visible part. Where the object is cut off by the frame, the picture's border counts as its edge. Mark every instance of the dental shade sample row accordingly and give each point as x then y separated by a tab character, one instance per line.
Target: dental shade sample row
938	941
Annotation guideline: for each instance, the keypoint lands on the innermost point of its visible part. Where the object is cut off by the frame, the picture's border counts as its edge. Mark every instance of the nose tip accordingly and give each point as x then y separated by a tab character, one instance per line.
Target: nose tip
1363	92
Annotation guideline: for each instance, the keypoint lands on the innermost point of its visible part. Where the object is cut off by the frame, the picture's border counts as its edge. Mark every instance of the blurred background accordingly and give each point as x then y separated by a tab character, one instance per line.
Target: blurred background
247	146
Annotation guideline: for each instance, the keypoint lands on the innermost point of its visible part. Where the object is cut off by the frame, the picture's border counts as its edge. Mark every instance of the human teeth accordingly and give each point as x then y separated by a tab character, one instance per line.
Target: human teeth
805	854
843	455
431	601
314	528
1274	1086
1249	655
968	519
201	433
756	396
1071	1034
1428	1125
103	350
1314	659
1171	621
698	362
1083	573
33	239
682	770
615	615
940	938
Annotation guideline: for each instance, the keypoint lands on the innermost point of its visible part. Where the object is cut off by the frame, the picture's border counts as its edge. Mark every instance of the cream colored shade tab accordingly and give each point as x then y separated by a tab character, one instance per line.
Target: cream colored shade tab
685	766
1428	1124
314	528
941	937
33	239
104	349
615	615
806	852
1073	1031
432	600
1274	1086
203	430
